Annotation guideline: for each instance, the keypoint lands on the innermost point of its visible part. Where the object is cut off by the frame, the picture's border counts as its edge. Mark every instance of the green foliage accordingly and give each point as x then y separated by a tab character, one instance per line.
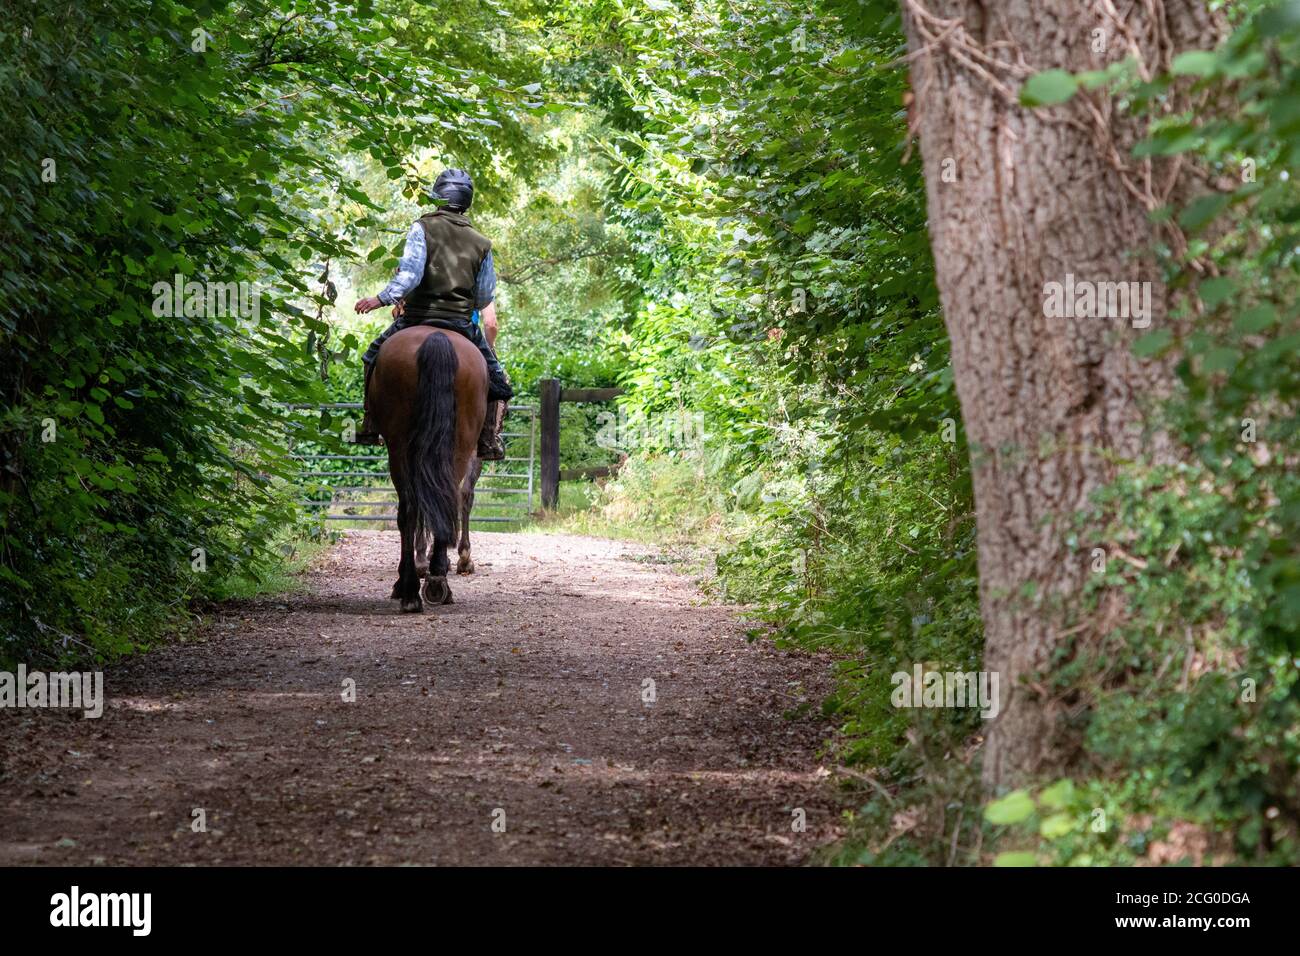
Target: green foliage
786	296
780	245
200	139
1219	538
1193	695
1048	88
1240	358
712	204
671	500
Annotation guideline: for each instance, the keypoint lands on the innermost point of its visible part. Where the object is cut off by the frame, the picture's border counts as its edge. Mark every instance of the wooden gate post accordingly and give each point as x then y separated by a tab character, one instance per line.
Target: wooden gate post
550	399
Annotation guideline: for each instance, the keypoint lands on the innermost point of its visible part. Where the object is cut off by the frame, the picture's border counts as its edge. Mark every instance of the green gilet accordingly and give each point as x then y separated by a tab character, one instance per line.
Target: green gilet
454	252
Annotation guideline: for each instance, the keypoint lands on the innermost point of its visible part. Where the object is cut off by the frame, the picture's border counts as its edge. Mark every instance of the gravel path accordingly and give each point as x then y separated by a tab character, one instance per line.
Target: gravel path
508	728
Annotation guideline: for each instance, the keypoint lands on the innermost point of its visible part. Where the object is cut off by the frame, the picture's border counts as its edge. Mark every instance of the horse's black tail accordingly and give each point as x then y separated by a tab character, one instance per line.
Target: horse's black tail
431	448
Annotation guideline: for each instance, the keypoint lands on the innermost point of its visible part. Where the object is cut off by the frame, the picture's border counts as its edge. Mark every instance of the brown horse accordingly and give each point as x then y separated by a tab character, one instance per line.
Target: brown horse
428	393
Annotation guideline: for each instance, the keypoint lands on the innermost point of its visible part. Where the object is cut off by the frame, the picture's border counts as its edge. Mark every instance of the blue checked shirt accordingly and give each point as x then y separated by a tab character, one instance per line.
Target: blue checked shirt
410	269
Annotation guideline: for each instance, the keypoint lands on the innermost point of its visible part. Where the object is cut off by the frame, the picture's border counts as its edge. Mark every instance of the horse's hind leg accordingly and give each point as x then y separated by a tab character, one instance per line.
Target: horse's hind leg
421	553
436	588
465	564
408	581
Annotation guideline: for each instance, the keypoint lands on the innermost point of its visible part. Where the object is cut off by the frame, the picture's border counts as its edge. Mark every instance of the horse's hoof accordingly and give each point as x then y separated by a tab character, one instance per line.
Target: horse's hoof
413	606
437	591
421	570
465	565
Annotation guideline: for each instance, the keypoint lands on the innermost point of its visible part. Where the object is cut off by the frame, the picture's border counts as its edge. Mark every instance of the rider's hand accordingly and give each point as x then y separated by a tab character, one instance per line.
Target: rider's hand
368	305
399	308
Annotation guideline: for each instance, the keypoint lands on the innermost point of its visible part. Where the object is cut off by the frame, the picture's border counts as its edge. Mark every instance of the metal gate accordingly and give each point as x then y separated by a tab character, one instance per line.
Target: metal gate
349	487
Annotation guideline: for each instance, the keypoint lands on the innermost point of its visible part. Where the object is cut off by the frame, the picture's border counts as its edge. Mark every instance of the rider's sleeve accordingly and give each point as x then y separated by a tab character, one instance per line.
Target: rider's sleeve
410	268
485	283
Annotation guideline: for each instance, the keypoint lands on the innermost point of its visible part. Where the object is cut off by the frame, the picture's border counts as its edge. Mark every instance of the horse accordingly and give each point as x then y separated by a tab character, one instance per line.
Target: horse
428	395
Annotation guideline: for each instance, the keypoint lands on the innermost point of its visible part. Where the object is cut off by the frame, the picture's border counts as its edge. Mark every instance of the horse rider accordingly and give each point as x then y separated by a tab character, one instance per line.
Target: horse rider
448	280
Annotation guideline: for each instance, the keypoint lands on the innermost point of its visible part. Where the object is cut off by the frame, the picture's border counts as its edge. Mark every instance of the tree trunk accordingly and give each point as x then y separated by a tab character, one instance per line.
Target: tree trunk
1019	198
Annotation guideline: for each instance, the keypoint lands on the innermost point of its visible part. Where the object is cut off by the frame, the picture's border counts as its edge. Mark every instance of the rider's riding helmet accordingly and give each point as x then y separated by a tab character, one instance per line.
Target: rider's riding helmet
455	188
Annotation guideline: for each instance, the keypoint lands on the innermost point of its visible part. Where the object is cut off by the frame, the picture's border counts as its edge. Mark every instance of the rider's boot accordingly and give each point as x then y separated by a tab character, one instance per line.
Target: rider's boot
499	387
368	433
490	445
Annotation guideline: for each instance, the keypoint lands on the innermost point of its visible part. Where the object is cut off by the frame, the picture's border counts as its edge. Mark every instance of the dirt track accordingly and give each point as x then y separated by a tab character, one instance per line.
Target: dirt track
520	703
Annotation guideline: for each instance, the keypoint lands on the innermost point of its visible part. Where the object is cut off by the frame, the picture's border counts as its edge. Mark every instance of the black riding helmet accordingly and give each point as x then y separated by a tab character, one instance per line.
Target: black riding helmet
455	188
